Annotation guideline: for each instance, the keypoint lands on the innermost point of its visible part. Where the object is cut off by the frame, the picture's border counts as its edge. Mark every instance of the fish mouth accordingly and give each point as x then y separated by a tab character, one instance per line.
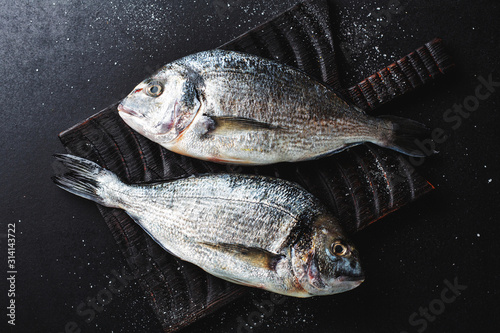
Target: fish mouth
128	111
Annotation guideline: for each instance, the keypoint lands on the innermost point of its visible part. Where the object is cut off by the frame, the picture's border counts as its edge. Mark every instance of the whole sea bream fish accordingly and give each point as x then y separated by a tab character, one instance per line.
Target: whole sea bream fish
251	230
231	107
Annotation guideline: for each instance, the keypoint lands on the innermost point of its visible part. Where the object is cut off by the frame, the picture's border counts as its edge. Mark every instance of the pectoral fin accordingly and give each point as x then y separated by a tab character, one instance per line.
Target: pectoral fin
255	256
231	125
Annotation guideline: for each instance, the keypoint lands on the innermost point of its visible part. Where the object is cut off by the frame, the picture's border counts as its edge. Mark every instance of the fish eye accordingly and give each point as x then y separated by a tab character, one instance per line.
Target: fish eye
154	89
339	248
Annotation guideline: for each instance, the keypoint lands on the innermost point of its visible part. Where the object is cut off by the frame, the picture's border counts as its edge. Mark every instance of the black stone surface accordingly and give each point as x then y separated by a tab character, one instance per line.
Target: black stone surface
61	61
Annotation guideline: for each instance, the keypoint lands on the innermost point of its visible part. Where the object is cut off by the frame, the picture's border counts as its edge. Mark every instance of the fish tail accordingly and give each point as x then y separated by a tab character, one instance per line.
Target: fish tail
88	180
406	136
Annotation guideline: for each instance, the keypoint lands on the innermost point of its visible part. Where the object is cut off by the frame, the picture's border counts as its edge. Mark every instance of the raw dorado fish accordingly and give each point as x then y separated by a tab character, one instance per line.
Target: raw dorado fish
251	230
231	107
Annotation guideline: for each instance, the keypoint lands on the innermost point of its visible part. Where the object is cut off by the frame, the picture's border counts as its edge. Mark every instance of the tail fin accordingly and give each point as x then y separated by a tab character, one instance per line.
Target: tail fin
87	180
406	137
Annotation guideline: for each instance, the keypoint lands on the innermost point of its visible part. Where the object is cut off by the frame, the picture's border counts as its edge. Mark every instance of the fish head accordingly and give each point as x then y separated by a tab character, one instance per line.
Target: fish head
325	262
162	106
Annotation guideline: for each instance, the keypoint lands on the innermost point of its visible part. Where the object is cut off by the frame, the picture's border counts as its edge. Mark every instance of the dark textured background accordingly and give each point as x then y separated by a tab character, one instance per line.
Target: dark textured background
61	61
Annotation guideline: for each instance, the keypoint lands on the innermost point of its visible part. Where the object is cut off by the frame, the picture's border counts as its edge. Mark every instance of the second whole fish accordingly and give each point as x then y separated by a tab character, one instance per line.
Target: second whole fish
231	107
251	230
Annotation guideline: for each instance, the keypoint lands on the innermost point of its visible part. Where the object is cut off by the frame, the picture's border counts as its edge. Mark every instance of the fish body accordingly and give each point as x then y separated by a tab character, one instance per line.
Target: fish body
251	230
231	107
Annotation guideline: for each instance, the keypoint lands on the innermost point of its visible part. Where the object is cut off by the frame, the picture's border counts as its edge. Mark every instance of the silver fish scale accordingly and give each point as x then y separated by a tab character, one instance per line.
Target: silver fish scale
248	210
257	87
